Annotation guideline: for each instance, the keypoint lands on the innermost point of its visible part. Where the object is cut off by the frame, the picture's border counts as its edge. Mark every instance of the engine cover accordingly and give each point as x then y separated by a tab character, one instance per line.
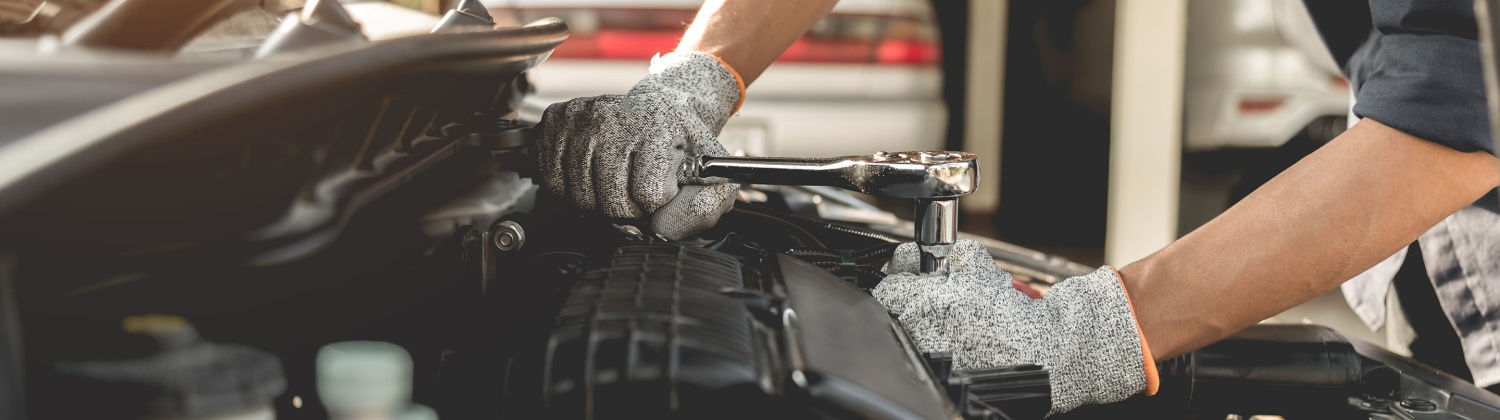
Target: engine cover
670	330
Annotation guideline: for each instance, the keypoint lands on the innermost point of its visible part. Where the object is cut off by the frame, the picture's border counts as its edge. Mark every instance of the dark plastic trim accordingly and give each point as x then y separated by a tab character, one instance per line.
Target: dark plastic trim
51	156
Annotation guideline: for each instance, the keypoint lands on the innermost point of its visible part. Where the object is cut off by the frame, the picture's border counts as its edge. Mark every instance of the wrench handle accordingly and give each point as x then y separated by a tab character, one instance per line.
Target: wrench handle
827	172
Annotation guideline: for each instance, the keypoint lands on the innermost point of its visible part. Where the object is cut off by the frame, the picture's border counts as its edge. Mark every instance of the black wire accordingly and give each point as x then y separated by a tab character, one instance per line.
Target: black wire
865	276
769	215
811	254
868	280
882	252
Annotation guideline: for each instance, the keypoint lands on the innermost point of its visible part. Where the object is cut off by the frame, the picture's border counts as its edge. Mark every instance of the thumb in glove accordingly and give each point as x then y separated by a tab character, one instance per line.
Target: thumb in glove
695	209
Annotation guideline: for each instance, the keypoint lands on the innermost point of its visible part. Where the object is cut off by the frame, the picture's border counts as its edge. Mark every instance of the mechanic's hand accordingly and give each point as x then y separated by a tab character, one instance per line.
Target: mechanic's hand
624	155
1083	331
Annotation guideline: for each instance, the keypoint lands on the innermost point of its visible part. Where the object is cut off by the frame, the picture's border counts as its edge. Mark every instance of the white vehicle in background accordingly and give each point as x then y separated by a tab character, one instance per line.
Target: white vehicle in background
867	76
1261	91
1257	75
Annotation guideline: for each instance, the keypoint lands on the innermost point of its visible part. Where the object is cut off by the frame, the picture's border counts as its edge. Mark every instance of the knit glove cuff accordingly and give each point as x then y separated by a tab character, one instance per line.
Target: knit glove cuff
714	89
1104	357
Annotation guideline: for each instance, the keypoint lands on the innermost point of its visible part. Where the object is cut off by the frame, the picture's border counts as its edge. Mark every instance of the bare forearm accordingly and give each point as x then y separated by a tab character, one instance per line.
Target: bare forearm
1337	212
750	34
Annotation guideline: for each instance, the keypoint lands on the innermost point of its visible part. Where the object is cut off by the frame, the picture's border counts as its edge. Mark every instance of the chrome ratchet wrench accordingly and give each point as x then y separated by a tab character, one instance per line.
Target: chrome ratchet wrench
934	179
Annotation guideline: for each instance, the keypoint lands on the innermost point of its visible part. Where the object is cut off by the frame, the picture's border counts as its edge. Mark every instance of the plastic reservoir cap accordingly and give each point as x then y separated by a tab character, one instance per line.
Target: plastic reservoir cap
163	370
169	331
357	378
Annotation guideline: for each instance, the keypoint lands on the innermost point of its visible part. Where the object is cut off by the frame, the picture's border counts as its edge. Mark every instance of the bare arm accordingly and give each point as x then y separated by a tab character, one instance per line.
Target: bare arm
750	34
1354	202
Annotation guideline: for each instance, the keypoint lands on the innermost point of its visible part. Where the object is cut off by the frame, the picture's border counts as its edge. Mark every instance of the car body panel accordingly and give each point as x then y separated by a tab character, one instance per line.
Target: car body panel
1256	75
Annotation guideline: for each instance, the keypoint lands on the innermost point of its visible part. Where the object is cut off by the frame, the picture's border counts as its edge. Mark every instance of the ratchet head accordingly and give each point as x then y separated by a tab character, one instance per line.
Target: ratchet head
920	175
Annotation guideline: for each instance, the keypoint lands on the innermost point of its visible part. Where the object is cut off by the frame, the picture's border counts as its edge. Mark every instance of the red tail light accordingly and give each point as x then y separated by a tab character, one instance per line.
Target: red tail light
618	45
909	52
638	34
1260	106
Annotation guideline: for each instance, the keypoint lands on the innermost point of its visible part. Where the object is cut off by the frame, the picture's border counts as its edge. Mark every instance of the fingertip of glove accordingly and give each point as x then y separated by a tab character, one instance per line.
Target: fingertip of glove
903	260
676	228
694	209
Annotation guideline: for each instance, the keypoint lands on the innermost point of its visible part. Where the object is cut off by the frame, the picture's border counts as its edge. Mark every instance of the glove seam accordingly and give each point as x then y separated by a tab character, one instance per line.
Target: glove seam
1153	379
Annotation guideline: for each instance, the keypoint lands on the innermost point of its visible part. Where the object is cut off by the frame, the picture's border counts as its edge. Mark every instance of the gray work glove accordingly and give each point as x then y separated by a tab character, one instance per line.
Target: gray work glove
1083	331
625	155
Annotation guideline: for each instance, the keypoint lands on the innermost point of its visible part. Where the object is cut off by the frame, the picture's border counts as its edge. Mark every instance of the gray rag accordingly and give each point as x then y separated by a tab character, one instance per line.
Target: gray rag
1082	332
623	155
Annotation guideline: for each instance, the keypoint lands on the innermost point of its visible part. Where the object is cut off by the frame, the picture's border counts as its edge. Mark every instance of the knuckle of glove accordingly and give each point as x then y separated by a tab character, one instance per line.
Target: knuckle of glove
655	168
891	292
969	255
589	142
904	260
614	203
570	132
902	292
551	147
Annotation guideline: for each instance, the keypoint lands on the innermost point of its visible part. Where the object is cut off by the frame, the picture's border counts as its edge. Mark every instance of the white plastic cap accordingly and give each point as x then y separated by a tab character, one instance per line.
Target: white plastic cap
364	378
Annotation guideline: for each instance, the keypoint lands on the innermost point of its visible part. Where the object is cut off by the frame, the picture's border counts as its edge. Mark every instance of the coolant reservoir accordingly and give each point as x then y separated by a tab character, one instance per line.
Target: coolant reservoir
167	372
368	380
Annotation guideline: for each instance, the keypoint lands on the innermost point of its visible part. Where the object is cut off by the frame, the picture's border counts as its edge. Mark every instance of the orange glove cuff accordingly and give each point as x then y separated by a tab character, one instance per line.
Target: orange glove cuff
737	79
1153	379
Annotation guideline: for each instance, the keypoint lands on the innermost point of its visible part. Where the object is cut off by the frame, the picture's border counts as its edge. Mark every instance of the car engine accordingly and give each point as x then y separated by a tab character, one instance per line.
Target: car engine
335	227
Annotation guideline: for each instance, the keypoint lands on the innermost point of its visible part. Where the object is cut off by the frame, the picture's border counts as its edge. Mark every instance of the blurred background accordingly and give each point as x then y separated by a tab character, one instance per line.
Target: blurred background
1106	129
1224	95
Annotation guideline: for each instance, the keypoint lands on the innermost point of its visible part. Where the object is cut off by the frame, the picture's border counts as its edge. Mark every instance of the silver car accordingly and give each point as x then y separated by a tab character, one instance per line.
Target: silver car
1257	75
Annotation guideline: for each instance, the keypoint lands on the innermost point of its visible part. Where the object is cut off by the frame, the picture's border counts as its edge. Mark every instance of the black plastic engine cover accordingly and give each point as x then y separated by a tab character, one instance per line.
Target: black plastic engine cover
652	334
676	331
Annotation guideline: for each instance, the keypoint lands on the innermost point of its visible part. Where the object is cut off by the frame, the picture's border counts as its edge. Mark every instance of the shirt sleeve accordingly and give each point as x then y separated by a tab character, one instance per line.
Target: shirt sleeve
1421	73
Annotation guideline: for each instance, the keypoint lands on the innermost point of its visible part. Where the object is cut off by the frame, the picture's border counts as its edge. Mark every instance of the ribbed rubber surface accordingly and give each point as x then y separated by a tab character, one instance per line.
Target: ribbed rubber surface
656	323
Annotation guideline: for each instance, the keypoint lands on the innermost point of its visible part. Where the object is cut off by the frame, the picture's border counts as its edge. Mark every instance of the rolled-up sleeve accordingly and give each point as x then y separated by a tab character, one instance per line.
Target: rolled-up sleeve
1424	75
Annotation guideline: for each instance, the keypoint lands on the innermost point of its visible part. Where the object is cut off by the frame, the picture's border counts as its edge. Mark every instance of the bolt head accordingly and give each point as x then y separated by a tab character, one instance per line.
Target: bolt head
509	236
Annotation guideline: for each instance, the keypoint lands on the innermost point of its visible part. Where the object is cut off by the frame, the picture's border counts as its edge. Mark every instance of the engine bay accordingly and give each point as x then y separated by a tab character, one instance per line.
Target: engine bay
202	244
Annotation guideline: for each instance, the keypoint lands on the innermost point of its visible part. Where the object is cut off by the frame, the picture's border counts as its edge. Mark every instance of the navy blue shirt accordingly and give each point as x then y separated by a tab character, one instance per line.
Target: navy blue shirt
1418	70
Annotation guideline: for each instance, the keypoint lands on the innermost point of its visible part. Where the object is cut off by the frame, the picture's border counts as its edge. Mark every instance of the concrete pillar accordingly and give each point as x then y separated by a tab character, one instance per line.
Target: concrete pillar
983	101
1145	128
